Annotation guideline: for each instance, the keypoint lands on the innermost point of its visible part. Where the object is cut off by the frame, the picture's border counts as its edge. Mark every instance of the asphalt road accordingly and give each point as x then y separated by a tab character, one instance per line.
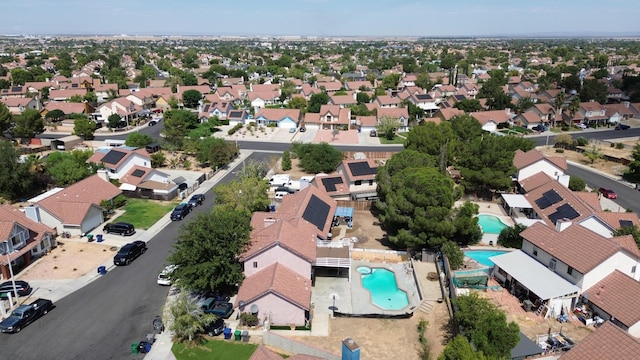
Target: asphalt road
103	319
628	197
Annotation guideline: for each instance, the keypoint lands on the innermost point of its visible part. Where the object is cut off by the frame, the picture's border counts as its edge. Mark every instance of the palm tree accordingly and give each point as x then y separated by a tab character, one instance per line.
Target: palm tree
574	106
112	94
559	100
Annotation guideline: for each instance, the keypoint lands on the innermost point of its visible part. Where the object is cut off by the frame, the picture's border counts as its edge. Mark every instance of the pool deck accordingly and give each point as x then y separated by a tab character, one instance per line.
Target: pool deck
490	208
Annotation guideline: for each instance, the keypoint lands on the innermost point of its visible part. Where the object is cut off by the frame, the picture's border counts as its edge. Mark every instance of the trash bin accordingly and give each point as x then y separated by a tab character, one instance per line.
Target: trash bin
273	208
90	237
134	348
144	347
227	333
99	238
245	336
236	335
102	270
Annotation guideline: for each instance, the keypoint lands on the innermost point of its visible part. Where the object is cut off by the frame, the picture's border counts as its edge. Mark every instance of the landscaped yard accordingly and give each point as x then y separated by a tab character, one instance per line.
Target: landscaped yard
143	213
398	140
214	350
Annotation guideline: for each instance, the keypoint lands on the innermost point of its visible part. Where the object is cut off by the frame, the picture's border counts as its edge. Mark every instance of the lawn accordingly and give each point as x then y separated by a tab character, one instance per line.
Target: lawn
397	140
214	350
143	213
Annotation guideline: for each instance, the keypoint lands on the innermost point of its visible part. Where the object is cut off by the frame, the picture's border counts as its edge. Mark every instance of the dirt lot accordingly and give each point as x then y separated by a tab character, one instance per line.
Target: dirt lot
608	167
69	260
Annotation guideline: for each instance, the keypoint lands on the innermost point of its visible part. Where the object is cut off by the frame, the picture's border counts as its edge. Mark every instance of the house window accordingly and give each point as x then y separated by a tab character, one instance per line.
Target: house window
358	182
15	241
535	251
552	264
633	269
571	271
255	264
370	182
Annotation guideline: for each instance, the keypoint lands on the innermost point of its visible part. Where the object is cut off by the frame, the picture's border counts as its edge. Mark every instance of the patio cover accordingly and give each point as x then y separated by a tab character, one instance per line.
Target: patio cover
342	211
516	201
533	275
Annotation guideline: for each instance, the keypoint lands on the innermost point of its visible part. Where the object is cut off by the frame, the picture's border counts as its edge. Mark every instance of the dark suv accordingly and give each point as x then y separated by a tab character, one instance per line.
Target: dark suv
22	287
130	252
180	212
196	200
122	228
622	127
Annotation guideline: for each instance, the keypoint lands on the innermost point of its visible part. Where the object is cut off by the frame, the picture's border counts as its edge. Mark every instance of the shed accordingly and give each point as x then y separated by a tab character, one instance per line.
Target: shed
152	148
66	143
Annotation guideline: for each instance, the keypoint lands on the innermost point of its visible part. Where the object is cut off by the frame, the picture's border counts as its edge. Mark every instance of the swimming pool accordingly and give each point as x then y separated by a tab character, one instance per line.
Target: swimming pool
482	256
491	224
385	294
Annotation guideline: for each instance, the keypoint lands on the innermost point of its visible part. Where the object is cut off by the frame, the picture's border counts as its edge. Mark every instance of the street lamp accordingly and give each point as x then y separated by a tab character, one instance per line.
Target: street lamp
13	280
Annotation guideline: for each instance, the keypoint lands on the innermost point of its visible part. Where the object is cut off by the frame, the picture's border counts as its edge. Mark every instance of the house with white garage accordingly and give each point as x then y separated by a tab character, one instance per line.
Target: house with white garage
118	161
534	162
491	119
360	178
401	115
148	183
282	118
75	209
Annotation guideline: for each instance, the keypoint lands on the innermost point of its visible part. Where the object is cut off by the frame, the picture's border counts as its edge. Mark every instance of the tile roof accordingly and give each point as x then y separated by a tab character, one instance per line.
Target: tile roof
366	169
295	205
617	294
388	100
332	184
297	237
9	216
394	113
136	175
66	107
342	100
536	180
449	113
265	88
607	342
523	159
589	198
613	219
497	116
279	280
329	85
576	246
279	114
263	95
568	197
367	120
70	205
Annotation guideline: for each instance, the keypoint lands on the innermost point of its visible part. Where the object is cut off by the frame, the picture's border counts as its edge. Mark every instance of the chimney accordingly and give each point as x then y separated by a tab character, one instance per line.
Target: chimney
562	224
102	173
350	350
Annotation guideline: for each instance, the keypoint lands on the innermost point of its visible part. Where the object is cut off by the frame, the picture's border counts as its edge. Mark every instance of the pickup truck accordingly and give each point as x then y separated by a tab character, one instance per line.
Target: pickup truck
221	309
24	315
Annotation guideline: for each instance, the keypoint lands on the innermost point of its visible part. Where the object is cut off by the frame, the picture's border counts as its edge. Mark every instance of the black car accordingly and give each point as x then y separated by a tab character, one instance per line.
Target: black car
540	128
180	212
24	315
129	252
122	228
622	127
216	327
22	287
196	200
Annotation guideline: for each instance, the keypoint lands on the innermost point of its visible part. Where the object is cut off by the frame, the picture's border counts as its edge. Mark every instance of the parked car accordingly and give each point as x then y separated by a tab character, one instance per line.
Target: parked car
153	122
22	287
303	129
122	228
180	212
164	278
196	200
24	315
540	128
285	189
216	327
582	126
373	133
130	252
608	193
622	127
219	308
292	130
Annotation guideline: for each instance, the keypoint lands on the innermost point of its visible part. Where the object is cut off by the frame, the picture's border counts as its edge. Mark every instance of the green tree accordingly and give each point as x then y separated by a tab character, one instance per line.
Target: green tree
577	184
468	105
593	153
363	98
486	326
248	194
593	89
316	101
253	168
460	349
6	120
66	168
629	230
216	152
510	236
453	253
524	104
15	179
189	322
28	124
76	98
84	128
158	159
387	127
297	103
432	139
391	81
55	115
286	161
467	230
177	124
20	76
208	247
633	171
191	98
317	158
138	140
113	121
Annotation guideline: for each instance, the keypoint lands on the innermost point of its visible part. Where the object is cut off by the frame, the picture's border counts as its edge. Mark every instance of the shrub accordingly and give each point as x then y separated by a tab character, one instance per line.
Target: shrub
581	141
286	161
560	151
619	146
234	129
249	319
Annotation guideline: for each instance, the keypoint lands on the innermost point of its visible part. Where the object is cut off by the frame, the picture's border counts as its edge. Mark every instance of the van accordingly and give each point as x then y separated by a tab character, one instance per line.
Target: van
122	228
279	180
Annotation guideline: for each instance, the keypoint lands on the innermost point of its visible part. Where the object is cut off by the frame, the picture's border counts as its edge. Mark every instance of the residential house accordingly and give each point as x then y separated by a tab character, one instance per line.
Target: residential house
615	299
261	99
17	105
366	123
593	113
37	86
147	183
444	91
360	178
217	109
387	101
67	108
237	117
282	118
103	91
446	114
358	86
127	109
118	161
400	114
75	209
527	119
22	238
425	102
533	162
66	94
490	119
617	112
258	88
407	80
334	185
203	89
308	90
606	342
329	86
342	100
13	91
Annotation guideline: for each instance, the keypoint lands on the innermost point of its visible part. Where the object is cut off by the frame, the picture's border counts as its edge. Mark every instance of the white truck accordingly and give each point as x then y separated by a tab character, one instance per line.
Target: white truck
279	180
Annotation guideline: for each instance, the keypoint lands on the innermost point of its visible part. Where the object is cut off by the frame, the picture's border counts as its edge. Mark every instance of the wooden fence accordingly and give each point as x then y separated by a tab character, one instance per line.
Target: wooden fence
357	205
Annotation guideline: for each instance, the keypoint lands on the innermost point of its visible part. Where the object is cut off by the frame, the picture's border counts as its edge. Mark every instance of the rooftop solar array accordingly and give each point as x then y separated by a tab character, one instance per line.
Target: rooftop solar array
235	113
626	223
113	157
565	211
362	168
138	172
16	88
330	183
548	198
316	212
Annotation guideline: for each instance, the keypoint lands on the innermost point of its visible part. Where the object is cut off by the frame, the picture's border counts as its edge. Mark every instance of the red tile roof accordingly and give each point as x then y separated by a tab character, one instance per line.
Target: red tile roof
296	204
9	217
618	295
279	114
297	237
576	246
393	113
523	159
607	342
568	197
536	180
349	175
279	280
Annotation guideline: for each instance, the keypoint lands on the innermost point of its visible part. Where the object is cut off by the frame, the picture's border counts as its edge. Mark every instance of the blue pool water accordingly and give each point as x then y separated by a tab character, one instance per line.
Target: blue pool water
482	256
385	294
490	224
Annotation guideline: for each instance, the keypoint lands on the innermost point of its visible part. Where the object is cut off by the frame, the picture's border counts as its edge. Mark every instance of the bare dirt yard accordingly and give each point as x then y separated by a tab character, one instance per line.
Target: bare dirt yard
69	260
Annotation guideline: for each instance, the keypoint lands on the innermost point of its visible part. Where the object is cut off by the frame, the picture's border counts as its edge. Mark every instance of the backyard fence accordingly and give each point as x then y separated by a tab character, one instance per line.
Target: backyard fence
296	347
356	205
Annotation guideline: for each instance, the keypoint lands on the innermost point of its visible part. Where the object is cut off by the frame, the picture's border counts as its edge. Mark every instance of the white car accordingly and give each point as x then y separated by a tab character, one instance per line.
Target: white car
164	278
582	126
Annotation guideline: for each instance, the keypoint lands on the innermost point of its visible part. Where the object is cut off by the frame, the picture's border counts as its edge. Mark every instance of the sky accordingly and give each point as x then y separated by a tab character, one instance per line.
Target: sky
448	18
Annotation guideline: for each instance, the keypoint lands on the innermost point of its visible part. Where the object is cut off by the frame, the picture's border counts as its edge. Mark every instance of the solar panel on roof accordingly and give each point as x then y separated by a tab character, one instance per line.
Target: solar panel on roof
330	183
552	196
16	88
565	211
113	157
316	212
627	223
138	173
543	203
362	168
